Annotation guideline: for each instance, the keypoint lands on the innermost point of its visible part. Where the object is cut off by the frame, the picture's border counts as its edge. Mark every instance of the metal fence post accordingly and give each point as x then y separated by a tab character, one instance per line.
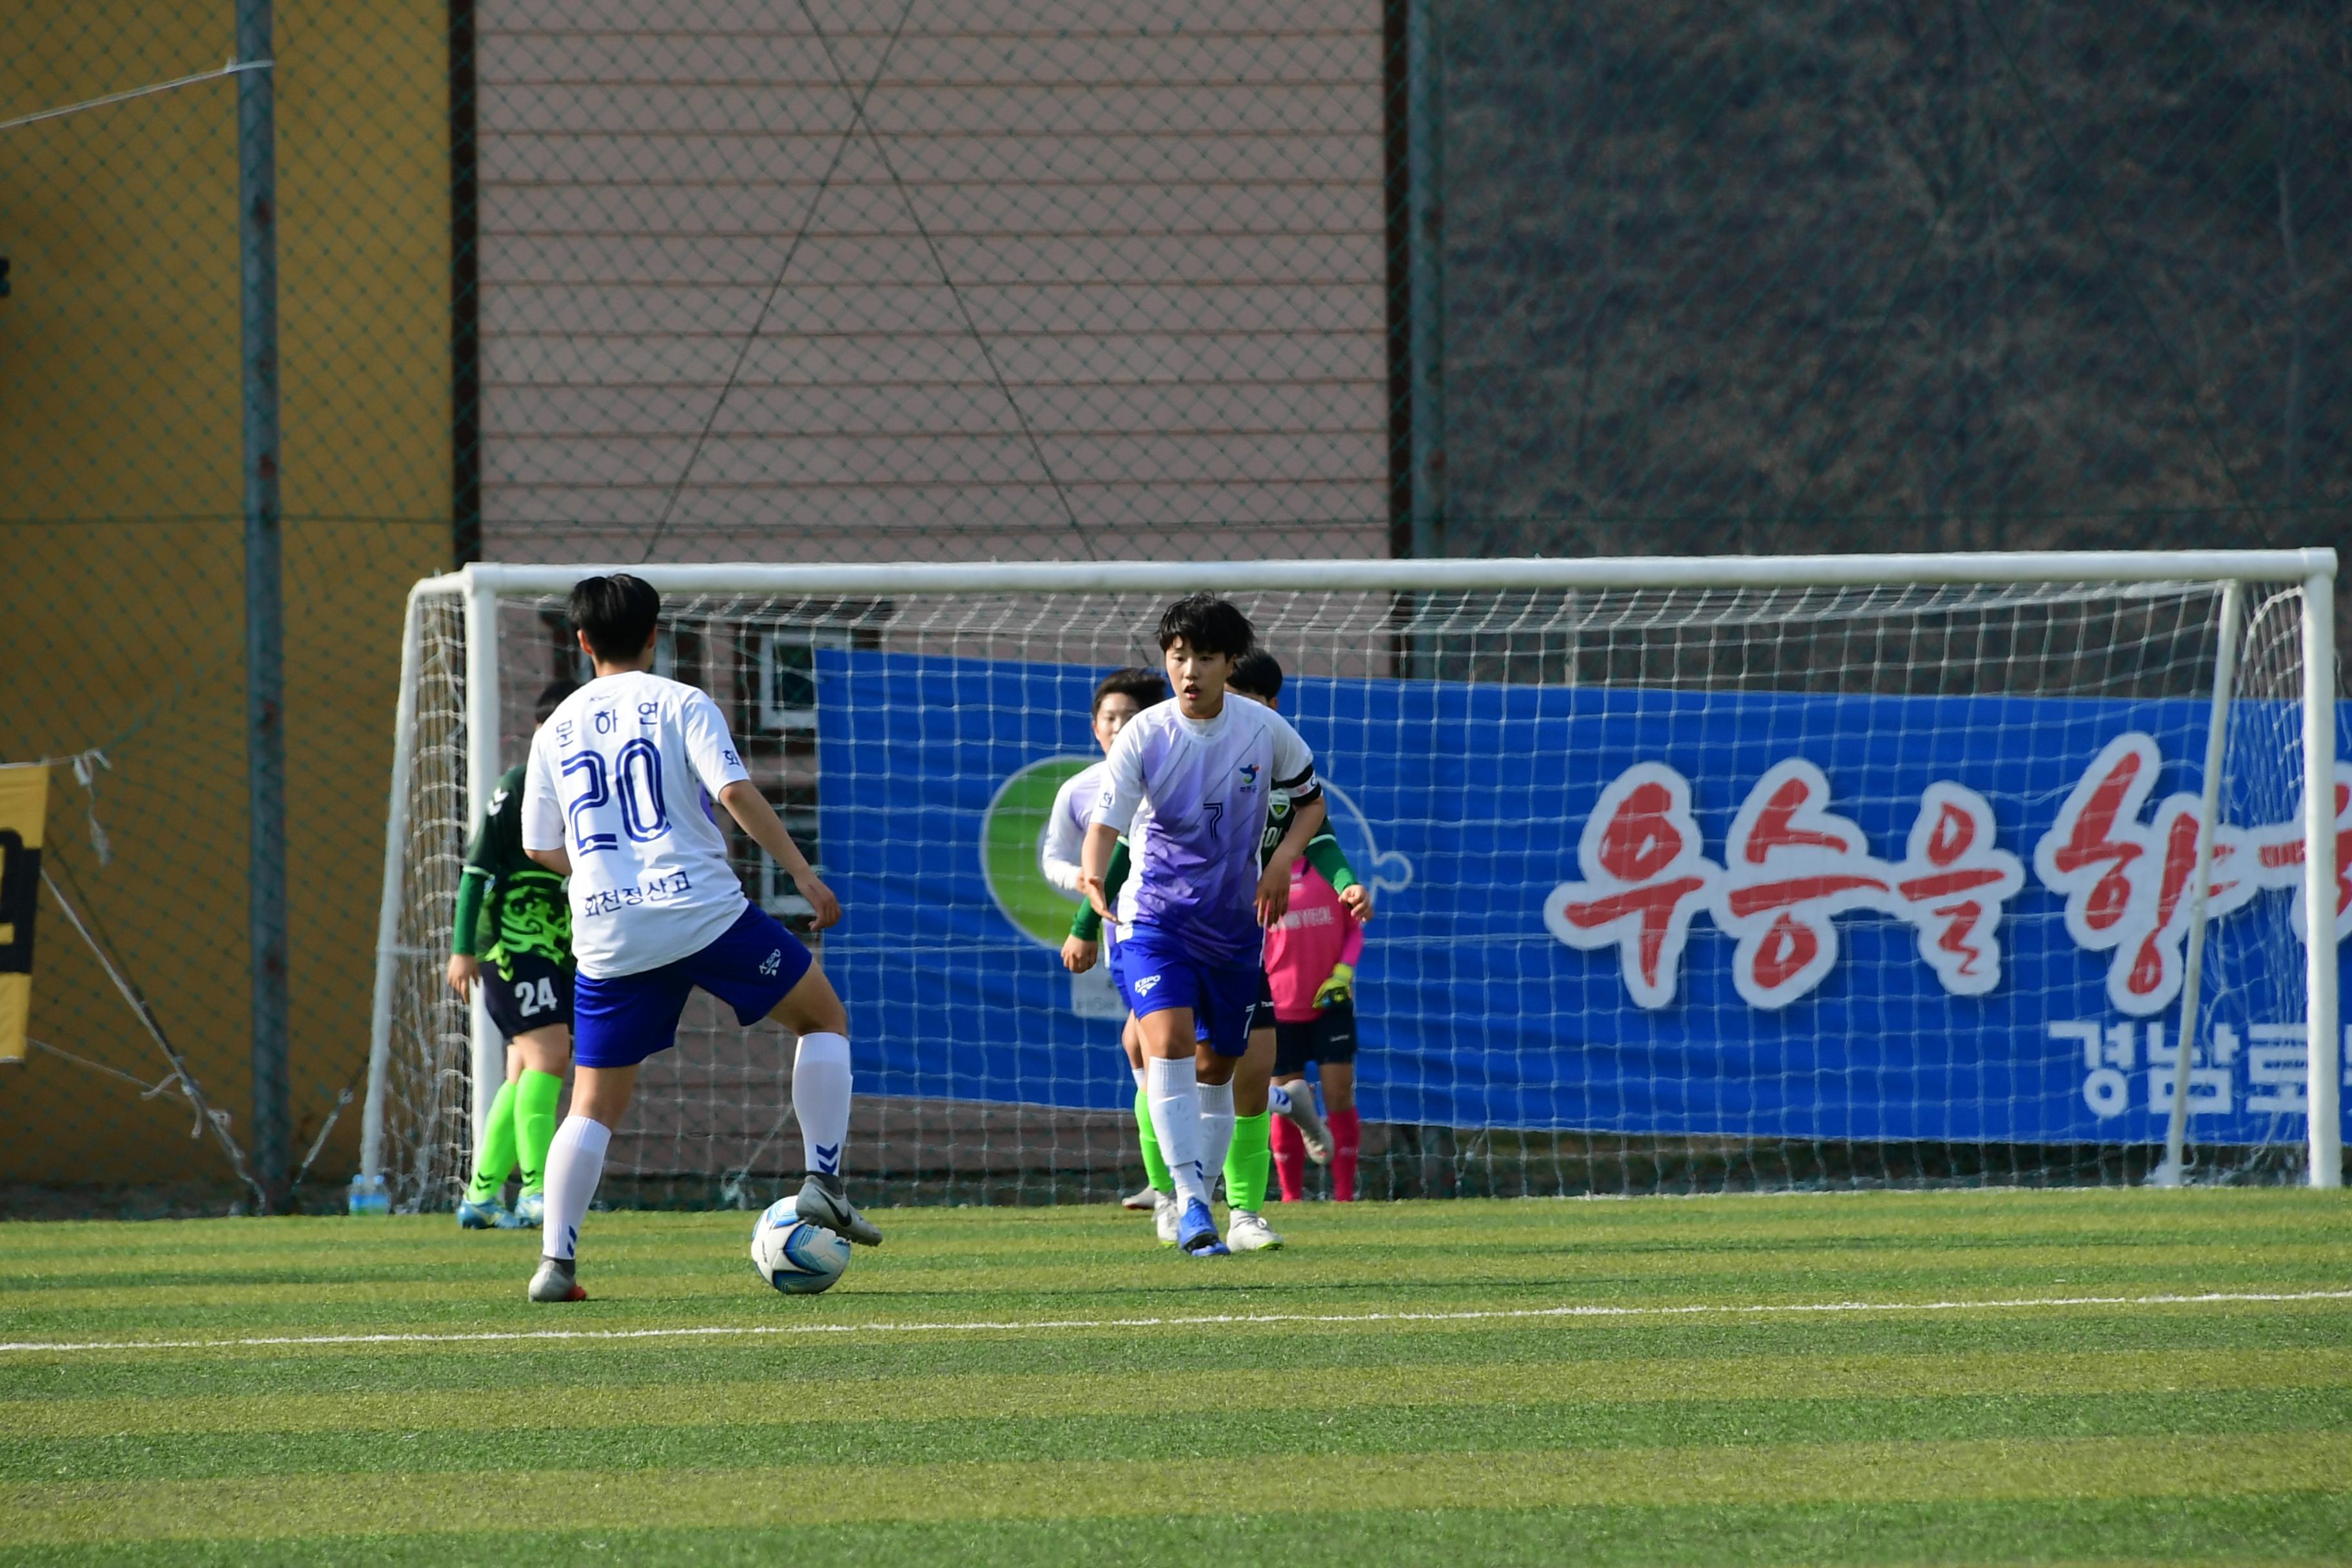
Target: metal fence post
1425	263
465	295
265	709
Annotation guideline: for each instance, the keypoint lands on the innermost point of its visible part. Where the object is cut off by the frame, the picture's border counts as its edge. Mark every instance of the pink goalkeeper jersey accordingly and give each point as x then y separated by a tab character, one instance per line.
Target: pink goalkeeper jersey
1302	946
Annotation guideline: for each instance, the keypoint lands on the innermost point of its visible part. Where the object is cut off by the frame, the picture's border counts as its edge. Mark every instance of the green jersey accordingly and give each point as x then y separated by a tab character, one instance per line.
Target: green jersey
508	903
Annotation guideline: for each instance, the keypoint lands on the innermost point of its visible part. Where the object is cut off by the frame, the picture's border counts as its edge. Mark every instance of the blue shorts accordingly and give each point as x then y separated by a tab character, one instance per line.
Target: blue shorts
1111	966
1156	976
619	1022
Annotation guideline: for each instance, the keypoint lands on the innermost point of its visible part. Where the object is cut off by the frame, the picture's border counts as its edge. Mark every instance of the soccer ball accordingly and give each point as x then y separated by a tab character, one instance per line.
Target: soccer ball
796	1256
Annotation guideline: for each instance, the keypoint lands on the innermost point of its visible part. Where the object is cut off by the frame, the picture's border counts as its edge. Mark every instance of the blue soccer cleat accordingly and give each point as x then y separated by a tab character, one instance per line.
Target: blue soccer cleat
1196	1231
491	1215
531	1209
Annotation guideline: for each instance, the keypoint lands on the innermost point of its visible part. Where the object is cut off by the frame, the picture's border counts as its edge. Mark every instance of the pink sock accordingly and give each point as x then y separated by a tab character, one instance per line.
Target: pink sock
1289	1159
1347	1137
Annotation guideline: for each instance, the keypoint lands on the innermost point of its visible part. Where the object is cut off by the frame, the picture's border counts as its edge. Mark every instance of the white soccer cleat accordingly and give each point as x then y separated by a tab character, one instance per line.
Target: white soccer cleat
557	1280
1163	1218
1140	1199
1246	1231
1298	1109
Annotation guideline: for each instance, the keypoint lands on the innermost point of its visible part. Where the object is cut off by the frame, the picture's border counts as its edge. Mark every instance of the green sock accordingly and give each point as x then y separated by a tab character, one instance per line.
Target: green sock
1155	1169
1245	1161
534	1121
497	1155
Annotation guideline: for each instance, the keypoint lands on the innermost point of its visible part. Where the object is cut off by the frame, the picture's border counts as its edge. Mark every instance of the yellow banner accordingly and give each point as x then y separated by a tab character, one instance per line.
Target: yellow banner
24	807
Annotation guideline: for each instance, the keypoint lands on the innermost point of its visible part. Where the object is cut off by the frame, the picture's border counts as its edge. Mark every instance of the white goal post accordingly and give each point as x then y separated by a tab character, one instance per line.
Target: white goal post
1680	999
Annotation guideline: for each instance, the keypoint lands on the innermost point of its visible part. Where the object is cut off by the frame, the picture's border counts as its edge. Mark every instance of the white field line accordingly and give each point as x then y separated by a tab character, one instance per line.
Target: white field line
759	1331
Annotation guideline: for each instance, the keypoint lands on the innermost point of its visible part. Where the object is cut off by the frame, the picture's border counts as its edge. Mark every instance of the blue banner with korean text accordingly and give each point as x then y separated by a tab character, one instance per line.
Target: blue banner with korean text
1632	910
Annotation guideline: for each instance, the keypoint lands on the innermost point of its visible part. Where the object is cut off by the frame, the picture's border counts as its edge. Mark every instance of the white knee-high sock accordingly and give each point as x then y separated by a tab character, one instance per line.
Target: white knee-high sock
1216	1129
1174	1091
574	1163
821	1099
1142	1080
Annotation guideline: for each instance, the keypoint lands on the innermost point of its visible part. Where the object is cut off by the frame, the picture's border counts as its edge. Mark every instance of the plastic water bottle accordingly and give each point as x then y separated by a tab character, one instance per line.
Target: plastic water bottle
368	1195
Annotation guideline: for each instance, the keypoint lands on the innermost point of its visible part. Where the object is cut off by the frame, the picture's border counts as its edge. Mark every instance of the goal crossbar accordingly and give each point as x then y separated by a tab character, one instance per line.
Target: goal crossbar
1530	572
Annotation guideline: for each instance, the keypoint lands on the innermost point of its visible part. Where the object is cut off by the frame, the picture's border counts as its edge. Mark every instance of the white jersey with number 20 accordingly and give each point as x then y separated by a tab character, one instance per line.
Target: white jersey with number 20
621	779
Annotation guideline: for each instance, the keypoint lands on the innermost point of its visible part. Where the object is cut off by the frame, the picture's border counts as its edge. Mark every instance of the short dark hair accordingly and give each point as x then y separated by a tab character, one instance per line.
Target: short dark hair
1208	624
618	613
1146	687
551	697
1257	673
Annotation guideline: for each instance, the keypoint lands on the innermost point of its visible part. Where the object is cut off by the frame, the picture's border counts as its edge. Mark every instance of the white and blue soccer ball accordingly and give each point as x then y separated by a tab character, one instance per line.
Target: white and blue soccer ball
798	1257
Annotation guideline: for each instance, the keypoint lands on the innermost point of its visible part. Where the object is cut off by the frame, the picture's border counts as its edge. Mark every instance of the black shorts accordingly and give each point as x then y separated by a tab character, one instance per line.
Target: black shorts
1262	1015
539	995
1329	1038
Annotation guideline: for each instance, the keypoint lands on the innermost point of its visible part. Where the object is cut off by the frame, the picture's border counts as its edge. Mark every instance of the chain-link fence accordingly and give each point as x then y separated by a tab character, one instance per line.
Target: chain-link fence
1987	275
1032	279
122	504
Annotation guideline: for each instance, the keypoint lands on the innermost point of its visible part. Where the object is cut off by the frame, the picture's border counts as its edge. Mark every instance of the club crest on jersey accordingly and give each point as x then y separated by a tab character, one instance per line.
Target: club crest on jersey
1249	775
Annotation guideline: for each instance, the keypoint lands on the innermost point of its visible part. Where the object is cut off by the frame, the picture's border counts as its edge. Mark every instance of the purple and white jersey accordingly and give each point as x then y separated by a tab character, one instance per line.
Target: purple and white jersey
1191	795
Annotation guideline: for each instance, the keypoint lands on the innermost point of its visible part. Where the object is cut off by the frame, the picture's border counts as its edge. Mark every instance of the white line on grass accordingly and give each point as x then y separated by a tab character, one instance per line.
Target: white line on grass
751	1330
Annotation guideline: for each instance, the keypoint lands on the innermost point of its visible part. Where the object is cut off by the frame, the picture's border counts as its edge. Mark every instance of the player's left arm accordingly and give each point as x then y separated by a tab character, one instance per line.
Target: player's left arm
1341	985
1323	853
711	751
1274	882
1294	775
751	811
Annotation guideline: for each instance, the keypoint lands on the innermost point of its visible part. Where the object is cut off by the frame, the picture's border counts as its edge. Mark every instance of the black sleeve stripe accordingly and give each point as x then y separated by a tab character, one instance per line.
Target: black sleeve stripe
1305	774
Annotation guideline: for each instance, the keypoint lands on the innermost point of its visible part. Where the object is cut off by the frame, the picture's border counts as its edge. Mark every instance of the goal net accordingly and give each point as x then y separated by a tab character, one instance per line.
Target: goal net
1689	874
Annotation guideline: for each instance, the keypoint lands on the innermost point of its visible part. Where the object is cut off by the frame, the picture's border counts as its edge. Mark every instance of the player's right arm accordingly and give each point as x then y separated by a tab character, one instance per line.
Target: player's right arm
1093	863
542	811
1114	808
1079	949
473	891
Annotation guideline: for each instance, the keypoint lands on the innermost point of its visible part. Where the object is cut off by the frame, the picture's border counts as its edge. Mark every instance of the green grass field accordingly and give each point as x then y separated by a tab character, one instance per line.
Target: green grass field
1663	1381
